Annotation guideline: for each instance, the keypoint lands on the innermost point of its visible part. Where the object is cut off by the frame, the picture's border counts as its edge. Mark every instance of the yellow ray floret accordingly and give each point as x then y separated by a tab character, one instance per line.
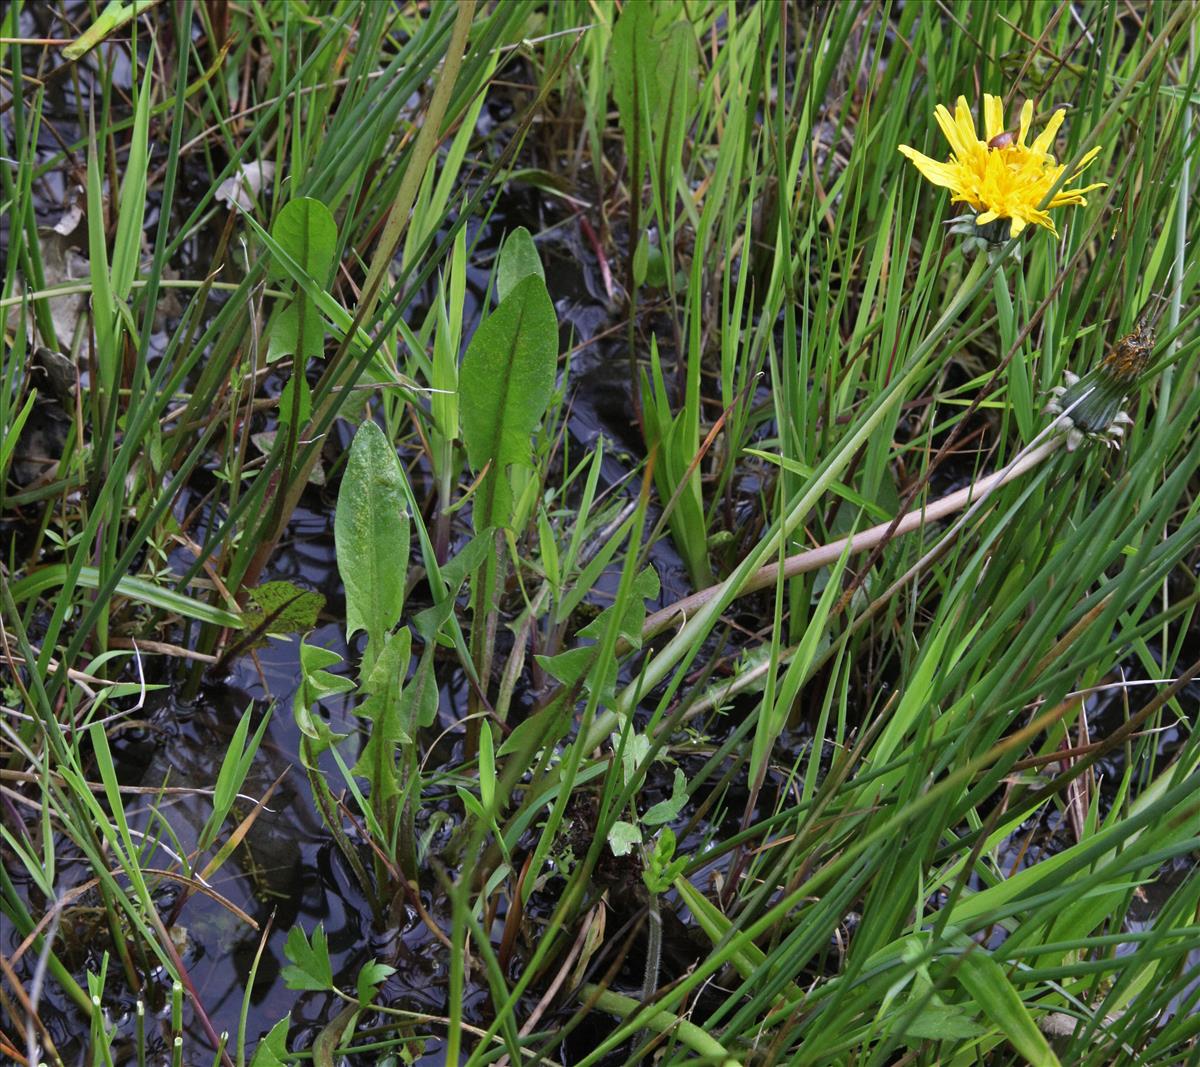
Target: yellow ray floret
1001	176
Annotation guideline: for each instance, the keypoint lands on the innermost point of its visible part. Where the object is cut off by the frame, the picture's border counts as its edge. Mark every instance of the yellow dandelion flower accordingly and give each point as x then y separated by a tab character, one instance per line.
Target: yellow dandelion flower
1001	177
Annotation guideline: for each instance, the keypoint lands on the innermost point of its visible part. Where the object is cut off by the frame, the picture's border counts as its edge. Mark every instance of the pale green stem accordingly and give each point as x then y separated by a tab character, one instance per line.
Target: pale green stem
1179	266
698	1040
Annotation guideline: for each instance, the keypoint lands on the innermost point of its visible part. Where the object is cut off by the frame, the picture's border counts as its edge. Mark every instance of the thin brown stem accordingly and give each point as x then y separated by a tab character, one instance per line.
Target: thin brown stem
826	555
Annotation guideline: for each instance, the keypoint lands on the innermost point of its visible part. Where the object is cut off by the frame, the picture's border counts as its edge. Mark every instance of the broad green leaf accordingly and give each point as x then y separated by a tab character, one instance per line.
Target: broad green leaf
285	339
429	622
316	730
641	259
337	317
518	259
471	803
287	402
505	384
333	1035
371	537
531	733
633	59
988	986
421	695
652	82
636	748
487	766
377	762
657	272
314	658
646	586
673	69
576	665
283	608
456	570
570	666
305	230
309	967
942	1022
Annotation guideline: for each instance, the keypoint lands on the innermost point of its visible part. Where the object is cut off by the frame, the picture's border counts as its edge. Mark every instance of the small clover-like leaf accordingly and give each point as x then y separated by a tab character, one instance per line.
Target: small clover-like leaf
666	810
663	868
310	967
622	837
369	979
272	1049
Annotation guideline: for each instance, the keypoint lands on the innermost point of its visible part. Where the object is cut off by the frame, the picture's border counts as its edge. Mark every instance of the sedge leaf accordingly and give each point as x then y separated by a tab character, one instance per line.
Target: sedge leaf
989	987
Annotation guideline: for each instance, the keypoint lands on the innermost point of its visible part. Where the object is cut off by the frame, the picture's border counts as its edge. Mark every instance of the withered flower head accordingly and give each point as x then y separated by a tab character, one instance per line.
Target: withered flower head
1091	406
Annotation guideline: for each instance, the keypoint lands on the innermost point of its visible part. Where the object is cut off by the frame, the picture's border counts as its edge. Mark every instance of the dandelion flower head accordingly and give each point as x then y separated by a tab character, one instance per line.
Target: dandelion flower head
1000	176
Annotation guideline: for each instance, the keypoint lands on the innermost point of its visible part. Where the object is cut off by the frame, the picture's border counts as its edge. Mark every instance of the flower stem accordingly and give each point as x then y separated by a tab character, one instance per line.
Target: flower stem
826	555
